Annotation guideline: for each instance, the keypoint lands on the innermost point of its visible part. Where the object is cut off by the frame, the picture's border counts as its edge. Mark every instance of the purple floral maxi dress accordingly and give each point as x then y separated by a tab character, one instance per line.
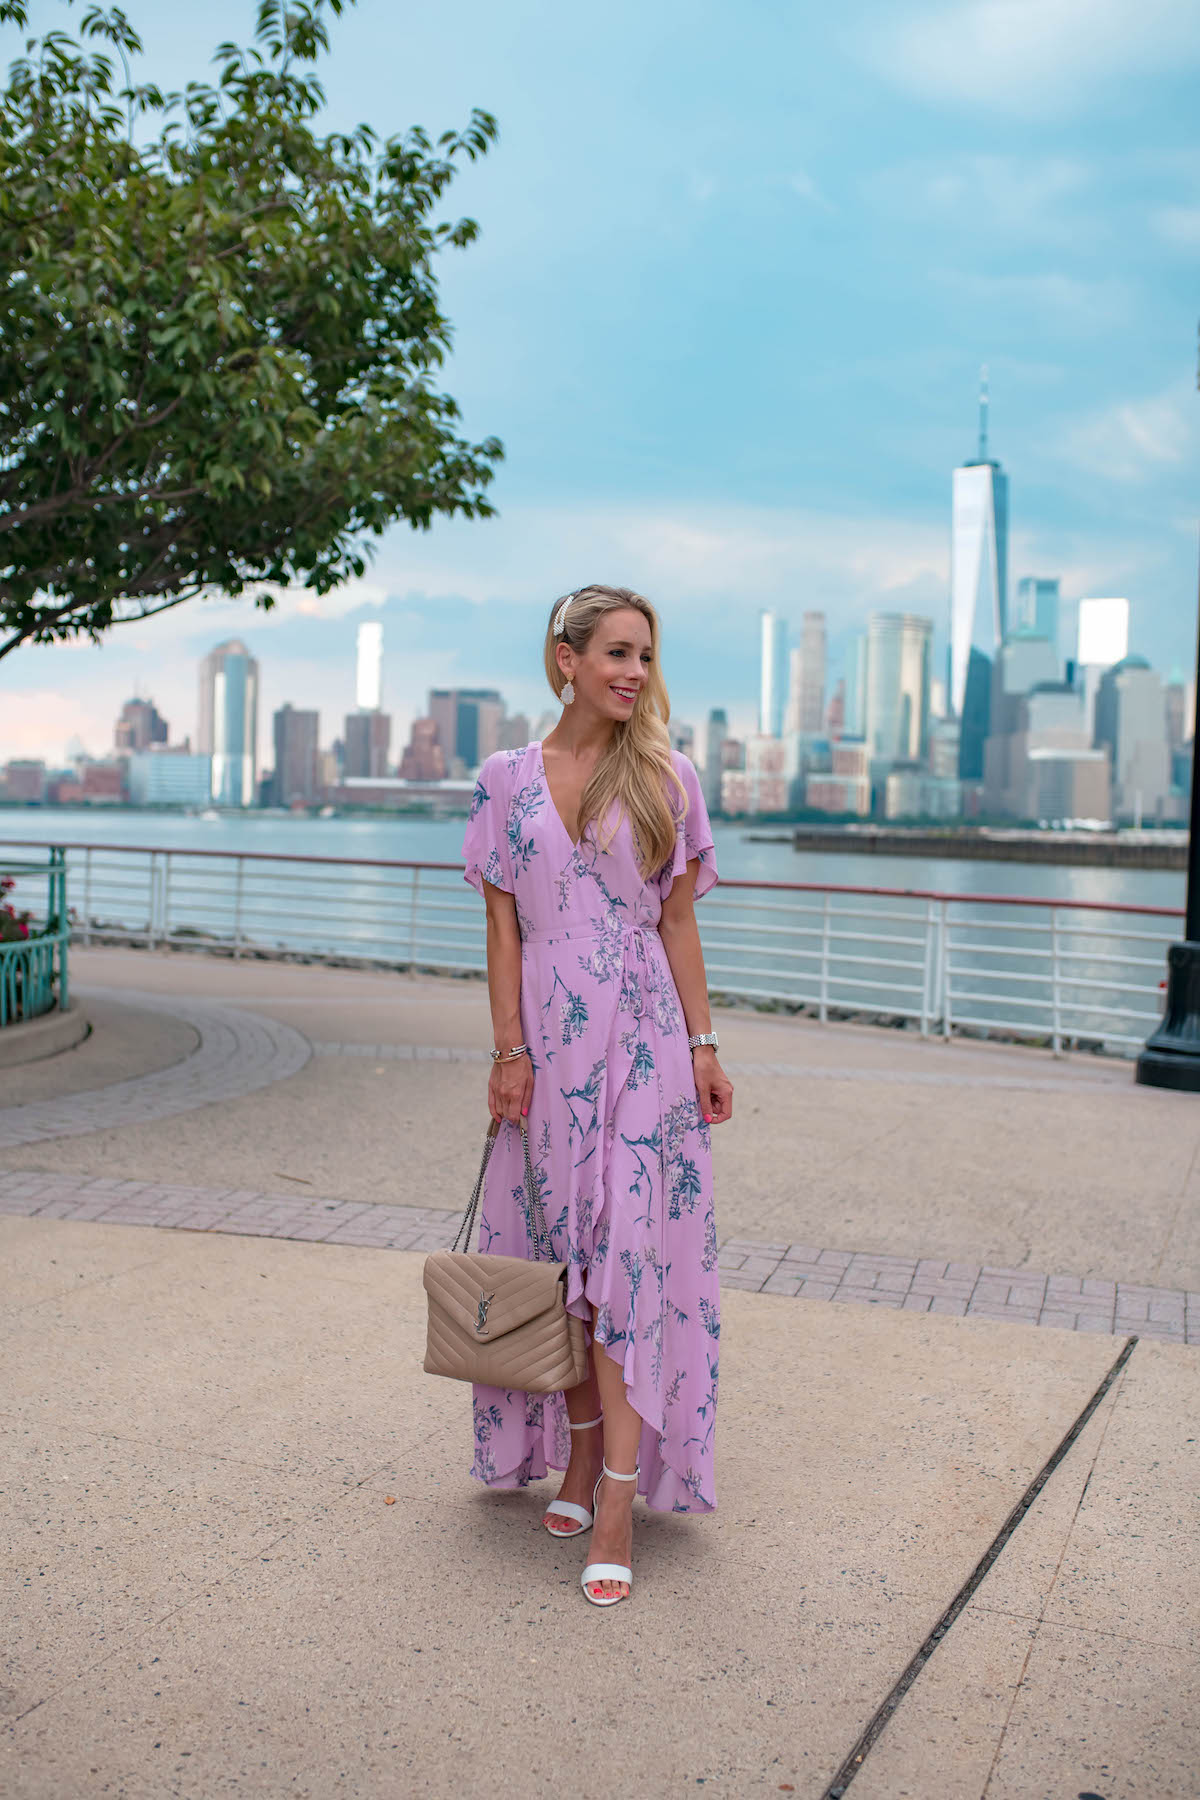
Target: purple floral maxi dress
620	1150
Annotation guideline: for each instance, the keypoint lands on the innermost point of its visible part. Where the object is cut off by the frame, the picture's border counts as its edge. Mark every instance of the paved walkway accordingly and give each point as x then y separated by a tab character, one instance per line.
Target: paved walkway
1067	1302
238	1052
951	1561
955	1556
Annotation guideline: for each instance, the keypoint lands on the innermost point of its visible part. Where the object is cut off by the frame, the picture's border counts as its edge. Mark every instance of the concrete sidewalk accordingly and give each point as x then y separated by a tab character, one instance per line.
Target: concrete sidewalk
213	1595
201	1425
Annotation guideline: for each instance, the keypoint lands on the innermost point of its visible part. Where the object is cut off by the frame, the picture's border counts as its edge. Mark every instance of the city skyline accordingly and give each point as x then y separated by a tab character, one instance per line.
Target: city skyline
1097	736
1040	215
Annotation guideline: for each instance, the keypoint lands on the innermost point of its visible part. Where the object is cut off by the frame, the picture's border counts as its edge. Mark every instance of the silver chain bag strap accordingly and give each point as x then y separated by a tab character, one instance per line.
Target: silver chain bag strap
502	1321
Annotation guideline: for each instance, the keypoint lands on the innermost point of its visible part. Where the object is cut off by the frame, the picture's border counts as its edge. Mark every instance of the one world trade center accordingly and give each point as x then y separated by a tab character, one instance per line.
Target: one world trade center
978	593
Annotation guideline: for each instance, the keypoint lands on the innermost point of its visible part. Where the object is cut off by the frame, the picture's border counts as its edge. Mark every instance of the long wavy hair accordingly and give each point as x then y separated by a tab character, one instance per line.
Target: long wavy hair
636	770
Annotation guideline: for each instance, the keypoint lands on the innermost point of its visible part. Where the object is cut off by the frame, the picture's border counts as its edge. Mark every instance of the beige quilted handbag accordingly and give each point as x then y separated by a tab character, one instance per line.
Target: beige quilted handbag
503	1320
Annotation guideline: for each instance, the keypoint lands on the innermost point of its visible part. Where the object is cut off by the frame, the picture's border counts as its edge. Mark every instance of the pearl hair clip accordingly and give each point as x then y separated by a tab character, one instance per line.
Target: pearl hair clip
562	611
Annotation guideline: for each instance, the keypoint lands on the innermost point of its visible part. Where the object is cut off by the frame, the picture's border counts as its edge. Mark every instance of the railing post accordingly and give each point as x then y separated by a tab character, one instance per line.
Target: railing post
412	921
151	900
166	897
927	970
64	930
1055	1007
823	1013
944	963
87	897
237	908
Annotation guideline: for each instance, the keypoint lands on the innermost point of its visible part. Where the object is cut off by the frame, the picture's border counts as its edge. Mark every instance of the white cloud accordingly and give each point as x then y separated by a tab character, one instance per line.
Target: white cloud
1032	56
1003	198
39	722
1179	225
1135	441
468	604
708	569
803	184
1054	297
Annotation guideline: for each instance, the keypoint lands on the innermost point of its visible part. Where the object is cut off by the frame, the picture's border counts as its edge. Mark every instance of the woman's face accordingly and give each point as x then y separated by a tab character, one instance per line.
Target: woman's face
615	667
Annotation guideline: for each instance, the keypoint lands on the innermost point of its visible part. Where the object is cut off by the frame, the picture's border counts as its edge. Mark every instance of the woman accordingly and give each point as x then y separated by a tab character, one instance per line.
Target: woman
589	849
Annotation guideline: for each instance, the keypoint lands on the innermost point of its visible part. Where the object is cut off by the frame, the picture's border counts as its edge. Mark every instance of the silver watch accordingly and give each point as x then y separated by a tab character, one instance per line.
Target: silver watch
705	1037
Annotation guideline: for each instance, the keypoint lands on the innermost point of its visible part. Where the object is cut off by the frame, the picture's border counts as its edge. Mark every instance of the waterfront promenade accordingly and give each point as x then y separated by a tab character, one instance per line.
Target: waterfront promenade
243	1548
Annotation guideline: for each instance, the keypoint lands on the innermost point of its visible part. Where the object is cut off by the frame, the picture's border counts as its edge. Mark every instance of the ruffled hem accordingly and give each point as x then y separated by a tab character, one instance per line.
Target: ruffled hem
706	874
544	1446
668	1479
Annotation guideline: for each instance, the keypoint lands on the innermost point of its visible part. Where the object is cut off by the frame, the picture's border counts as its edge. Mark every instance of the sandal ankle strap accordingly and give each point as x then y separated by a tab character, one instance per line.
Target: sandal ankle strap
587	1424
613	1475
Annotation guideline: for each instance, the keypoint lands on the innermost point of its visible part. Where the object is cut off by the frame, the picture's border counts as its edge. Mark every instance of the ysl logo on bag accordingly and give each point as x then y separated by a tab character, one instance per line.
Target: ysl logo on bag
485	1300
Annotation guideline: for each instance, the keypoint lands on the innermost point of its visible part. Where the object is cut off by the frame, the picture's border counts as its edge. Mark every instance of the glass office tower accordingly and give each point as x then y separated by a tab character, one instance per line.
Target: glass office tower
774	675
899	647
978	593
228	723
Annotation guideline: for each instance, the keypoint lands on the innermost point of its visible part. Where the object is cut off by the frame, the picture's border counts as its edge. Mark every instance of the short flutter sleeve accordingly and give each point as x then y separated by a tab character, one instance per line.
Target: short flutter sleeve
693	833
485	842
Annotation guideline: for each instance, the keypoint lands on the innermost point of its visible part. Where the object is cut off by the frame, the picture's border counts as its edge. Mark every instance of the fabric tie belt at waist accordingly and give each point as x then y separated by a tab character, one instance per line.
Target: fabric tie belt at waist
577	933
641	969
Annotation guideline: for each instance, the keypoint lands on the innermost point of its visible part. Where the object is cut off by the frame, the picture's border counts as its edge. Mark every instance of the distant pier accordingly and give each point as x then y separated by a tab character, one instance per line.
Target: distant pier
1098	849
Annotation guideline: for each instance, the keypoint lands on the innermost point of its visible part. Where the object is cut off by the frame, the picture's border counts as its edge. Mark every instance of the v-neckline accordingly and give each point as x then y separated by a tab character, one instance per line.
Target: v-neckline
574	842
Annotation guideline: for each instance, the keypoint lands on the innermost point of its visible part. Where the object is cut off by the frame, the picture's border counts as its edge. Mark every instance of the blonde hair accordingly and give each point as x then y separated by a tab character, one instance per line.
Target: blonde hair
636	770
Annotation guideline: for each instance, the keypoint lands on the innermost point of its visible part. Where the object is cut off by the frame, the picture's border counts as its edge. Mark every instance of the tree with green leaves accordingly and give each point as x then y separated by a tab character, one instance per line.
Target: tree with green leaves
220	329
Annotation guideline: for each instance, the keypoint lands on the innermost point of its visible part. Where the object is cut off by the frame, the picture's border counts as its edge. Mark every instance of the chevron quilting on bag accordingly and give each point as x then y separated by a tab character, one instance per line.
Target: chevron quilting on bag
502	1321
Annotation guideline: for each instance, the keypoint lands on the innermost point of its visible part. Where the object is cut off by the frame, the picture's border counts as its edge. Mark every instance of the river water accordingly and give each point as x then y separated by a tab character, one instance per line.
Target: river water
440	840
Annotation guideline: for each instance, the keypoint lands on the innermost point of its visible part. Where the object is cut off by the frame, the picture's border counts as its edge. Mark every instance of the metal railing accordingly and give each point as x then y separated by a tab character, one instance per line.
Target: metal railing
1063	973
33	969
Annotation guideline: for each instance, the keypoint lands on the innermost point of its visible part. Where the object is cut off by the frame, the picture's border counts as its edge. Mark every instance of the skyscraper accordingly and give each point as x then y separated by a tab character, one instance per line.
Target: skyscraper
1178	722
716	730
139	726
1036	608
806	685
368	685
1131	724
899	646
468	722
296	747
368	741
978	592
774	674
856	687
228	723
1103	641
369	730
791	712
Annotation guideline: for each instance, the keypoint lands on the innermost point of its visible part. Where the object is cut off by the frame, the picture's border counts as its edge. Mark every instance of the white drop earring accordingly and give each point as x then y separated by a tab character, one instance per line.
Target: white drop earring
568	693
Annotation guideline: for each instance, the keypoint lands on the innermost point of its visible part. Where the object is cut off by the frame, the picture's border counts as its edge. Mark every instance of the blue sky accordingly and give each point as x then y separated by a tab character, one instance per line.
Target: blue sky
738	270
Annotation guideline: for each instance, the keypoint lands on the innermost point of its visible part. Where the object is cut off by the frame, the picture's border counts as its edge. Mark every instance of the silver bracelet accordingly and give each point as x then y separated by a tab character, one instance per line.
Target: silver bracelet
704	1037
509	1055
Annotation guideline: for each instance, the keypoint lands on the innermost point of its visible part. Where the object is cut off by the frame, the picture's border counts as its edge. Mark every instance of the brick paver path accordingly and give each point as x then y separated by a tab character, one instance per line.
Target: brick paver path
802	1271
238	1052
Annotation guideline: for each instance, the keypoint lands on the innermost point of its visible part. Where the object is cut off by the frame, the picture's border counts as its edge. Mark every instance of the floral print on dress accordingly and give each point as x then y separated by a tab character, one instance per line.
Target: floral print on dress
621	1155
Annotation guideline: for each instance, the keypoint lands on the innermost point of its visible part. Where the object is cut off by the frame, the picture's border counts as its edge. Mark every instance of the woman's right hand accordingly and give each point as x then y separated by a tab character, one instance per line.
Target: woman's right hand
510	1088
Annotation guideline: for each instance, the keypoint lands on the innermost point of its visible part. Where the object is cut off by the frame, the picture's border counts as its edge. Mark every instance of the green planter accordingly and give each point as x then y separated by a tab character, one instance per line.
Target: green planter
33	970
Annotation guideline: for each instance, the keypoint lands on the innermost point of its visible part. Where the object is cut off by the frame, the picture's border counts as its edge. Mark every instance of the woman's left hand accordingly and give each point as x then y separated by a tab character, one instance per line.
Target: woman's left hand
713	1087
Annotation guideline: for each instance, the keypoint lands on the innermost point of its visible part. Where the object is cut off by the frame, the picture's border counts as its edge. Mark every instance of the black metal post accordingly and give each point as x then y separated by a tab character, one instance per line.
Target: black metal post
1171	1057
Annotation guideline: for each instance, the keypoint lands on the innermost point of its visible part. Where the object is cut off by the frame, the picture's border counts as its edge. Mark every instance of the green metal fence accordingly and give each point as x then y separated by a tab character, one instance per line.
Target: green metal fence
33	969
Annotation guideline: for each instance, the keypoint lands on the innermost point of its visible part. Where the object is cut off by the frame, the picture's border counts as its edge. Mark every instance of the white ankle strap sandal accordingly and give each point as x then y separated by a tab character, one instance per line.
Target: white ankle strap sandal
567	1509
607	1571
